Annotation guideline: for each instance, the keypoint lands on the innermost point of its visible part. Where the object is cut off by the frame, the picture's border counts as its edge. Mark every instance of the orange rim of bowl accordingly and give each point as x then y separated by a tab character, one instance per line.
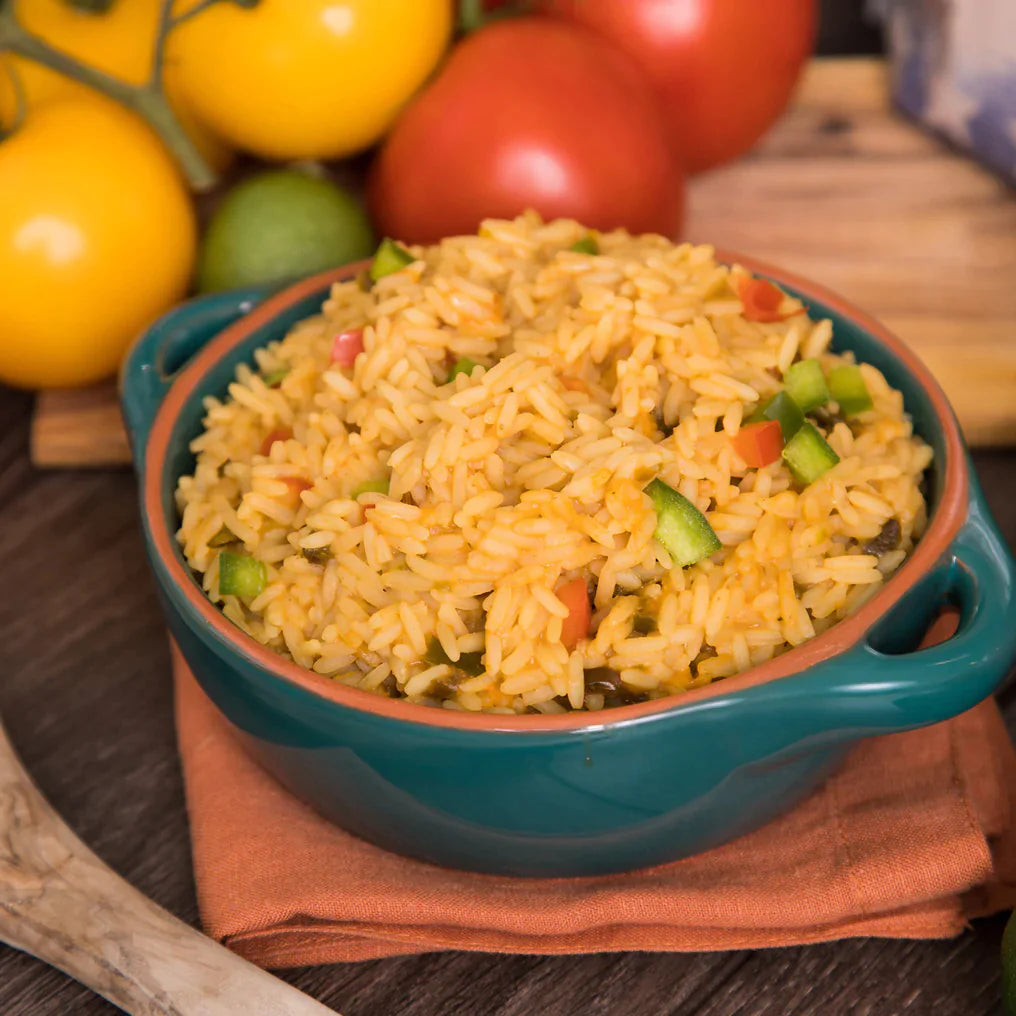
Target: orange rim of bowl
945	522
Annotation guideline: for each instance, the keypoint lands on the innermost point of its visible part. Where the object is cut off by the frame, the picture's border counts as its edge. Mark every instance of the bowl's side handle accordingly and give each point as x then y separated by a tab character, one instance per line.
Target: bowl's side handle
882	684
161	352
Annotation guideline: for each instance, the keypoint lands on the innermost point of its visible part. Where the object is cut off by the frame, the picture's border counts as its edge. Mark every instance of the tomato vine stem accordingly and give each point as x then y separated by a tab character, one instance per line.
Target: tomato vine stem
148	100
471	15
20	100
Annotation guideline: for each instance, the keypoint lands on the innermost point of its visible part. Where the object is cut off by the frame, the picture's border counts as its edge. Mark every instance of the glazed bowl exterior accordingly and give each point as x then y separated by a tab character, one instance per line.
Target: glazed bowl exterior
580	793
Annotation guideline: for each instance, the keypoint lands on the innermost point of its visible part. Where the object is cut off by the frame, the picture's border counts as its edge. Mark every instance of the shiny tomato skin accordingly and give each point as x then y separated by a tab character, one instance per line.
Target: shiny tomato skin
347	346
528	113
724	70
306	79
760	299
97	239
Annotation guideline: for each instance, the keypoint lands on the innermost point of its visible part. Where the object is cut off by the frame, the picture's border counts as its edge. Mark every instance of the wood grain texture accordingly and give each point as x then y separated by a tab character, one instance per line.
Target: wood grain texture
842	191
853	196
79	427
59	902
85	690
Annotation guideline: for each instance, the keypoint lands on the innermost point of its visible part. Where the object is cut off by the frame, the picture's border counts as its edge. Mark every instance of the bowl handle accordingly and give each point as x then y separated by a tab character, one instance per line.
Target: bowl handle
917	687
161	352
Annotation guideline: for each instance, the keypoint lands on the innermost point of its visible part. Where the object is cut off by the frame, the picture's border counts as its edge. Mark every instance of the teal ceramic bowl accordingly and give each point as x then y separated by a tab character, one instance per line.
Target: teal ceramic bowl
582	793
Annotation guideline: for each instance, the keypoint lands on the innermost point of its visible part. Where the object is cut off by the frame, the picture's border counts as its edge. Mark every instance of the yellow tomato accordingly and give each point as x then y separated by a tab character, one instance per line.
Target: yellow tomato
307	79
97	238
118	41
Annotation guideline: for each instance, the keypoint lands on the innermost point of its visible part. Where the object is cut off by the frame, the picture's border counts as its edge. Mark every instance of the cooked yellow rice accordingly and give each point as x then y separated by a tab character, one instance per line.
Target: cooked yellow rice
531	471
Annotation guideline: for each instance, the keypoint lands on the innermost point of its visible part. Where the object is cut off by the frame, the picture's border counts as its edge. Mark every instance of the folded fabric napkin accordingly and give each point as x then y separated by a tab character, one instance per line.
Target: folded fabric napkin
910	839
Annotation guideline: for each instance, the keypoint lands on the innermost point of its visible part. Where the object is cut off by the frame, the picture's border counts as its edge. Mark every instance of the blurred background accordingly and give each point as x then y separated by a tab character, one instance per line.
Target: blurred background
152	150
846	27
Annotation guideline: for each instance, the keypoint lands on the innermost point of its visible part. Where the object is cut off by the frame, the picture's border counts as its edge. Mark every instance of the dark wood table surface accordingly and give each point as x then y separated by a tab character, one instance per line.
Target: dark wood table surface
85	695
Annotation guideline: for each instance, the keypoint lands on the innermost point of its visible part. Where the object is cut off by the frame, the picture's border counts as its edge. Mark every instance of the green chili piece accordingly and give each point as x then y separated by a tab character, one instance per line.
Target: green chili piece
463	365
390	257
643	624
379	486
806	385
783	408
808	455
847	387
222	538
587	245
680	527
274	377
241	575
468	663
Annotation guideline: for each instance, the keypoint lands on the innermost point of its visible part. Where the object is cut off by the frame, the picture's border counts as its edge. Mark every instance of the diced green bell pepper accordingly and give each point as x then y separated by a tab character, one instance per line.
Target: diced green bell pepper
468	663
808	455
463	365
587	245
680	527
389	257
370	486
241	575
222	538
273	378
782	408
806	385
847	387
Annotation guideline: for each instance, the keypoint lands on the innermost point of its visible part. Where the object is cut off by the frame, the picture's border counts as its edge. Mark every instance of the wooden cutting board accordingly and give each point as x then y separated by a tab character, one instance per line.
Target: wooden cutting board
843	191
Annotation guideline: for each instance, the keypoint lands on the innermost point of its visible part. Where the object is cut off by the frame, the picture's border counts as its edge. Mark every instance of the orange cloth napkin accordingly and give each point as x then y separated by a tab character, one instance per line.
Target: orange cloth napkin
910	839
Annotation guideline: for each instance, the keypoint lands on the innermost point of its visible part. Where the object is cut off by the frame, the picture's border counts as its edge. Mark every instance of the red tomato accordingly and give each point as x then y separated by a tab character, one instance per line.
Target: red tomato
759	443
347	346
575	626
762	300
725	69
528	113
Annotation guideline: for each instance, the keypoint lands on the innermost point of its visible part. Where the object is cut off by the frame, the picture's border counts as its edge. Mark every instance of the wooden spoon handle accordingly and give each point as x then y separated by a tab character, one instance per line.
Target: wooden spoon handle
59	902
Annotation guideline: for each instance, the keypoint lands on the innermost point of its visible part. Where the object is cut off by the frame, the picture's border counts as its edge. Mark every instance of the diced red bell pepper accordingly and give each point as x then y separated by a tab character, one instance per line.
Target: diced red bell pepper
759	443
271	438
575	626
347	346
